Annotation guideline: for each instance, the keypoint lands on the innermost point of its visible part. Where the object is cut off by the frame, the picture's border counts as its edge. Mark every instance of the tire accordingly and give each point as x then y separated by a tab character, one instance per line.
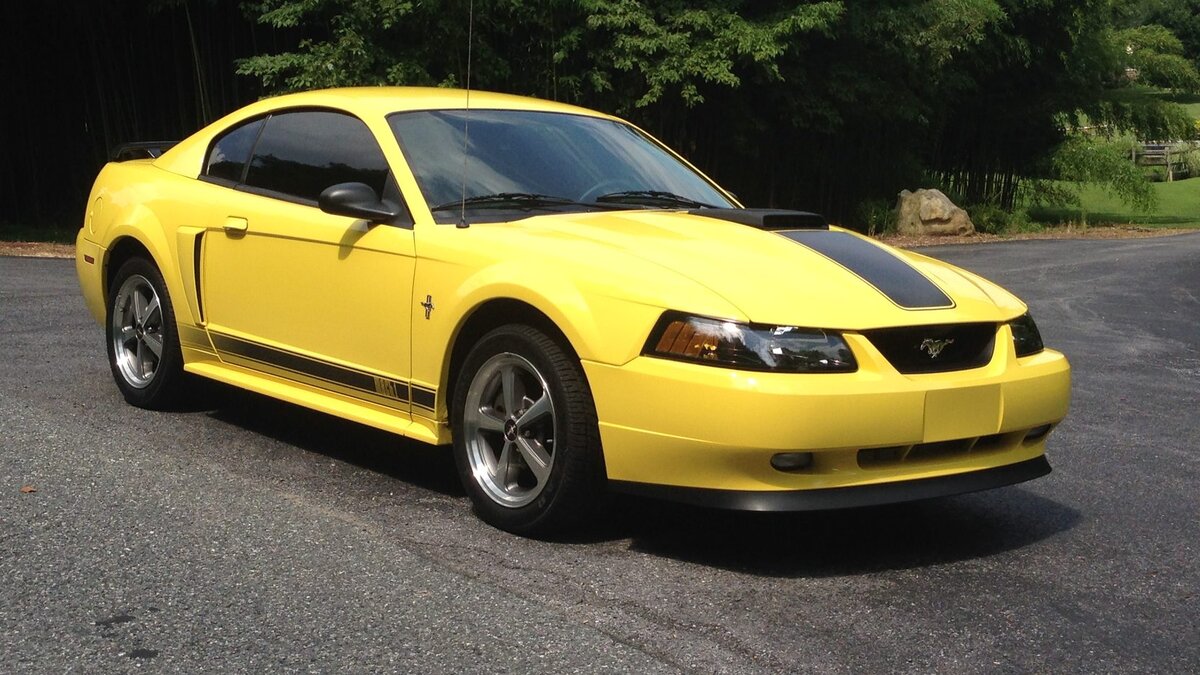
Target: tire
537	469
143	340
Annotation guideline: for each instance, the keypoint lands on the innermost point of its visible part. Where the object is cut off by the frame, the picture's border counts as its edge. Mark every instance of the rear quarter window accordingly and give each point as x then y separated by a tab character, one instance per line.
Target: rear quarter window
229	154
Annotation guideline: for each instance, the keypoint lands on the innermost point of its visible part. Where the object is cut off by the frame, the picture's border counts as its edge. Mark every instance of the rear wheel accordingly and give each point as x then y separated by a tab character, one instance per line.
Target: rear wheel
526	442
143	343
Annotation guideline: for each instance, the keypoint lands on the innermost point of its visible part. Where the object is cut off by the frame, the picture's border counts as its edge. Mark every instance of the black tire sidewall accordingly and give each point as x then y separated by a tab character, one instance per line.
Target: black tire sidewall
163	388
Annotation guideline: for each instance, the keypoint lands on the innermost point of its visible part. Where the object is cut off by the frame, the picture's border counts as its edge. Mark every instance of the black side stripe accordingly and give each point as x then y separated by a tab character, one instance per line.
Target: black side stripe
321	370
423	397
889	274
194	337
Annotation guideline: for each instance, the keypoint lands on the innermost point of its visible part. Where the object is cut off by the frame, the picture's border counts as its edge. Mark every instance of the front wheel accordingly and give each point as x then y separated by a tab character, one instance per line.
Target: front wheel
526	442
143	341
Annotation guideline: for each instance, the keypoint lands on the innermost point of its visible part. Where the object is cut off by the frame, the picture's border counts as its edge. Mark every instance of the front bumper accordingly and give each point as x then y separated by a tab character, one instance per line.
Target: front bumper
681	425
844	497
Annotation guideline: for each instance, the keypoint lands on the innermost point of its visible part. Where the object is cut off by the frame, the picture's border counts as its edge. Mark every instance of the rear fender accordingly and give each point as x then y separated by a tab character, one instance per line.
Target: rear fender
142	226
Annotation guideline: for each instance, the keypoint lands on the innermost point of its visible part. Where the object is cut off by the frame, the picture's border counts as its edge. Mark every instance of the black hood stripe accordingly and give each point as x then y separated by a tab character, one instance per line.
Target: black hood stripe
890	275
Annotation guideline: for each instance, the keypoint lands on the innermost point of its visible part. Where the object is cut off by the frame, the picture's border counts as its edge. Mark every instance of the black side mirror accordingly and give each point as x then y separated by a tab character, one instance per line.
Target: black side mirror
357	200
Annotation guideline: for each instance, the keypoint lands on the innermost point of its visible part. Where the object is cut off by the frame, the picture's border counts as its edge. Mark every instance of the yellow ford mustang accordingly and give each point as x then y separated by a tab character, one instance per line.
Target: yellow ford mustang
564	300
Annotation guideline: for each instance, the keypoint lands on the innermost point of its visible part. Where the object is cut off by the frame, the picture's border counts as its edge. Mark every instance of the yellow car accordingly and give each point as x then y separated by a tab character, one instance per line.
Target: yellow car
563	300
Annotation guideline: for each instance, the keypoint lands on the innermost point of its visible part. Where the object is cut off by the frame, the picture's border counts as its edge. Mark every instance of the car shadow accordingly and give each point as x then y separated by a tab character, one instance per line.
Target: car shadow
418	464
844	542
811	544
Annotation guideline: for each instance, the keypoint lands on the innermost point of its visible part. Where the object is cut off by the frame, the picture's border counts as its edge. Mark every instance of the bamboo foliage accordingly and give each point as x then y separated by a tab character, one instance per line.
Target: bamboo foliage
819	105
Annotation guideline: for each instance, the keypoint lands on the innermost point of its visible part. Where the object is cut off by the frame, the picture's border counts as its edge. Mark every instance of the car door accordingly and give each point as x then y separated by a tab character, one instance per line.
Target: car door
293	291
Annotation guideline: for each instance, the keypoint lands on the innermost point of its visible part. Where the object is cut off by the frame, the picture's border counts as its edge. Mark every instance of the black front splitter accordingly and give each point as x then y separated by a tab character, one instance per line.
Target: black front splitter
843	497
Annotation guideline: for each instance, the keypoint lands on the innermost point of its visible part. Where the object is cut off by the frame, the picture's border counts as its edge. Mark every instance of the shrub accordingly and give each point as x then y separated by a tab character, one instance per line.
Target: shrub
1020	221
876	216
989	218
993	219
1081	159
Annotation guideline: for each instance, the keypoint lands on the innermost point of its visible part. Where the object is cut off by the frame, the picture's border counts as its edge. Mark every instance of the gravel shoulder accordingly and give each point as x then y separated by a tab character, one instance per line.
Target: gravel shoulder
36	249
1097	232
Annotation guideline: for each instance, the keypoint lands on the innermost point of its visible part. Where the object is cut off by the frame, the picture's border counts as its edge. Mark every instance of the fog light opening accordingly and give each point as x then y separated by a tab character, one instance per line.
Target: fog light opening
1038	433
792	461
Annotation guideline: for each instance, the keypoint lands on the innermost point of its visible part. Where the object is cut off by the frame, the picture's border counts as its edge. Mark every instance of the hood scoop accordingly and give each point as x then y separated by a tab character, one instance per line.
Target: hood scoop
767	219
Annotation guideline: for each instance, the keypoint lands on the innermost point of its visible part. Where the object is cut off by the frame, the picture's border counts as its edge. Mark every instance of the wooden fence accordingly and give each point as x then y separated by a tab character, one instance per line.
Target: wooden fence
1173	157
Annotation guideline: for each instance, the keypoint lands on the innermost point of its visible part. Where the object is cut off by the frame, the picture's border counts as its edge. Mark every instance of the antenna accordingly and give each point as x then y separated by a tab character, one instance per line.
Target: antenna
462	214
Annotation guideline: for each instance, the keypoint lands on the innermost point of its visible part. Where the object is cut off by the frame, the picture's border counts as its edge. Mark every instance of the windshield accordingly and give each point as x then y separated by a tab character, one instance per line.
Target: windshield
521	163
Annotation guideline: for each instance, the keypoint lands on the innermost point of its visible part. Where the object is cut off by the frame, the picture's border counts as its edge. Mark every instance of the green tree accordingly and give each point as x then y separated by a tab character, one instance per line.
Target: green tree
1181	17
676	48
1156	56
821	105
516	46
1090	160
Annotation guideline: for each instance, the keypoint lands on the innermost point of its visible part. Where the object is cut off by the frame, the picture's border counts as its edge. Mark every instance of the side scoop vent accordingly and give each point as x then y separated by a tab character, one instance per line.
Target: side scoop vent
767	219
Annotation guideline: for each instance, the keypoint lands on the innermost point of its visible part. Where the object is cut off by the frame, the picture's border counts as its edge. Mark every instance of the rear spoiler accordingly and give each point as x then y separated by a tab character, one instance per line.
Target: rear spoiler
140	150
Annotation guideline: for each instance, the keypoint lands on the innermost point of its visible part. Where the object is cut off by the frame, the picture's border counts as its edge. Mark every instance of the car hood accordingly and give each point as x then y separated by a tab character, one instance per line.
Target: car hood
826	278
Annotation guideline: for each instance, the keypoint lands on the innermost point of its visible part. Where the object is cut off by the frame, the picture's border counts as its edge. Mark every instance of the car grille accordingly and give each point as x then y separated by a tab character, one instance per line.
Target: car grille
935	349
878	458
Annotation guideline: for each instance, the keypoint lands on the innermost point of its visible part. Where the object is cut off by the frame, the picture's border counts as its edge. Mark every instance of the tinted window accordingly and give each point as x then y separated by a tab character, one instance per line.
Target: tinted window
302	153
230	153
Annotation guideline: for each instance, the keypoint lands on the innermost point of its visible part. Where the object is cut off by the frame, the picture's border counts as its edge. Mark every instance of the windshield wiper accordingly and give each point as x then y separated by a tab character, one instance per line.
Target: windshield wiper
651	197
507	199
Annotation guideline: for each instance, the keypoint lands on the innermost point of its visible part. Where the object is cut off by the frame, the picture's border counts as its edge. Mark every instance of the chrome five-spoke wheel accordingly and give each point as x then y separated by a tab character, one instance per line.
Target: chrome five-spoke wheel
510	430
143	341
137	331
526	440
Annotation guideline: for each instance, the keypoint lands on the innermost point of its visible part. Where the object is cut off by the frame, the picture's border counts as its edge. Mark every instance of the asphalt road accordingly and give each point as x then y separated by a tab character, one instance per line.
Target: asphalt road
248	536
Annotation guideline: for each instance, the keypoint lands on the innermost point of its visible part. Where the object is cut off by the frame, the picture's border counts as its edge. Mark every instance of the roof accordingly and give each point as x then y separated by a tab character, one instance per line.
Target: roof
369	103
385	100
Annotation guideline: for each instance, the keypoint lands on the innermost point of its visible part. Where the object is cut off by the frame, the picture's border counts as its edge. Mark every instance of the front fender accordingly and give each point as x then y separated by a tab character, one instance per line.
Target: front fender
602	322
598	326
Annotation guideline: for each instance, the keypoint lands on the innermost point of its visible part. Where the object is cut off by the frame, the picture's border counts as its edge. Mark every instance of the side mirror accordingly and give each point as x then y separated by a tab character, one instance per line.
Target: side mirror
357	200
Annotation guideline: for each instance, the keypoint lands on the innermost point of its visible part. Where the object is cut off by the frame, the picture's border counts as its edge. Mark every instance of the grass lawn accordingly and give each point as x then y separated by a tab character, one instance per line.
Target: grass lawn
1178	202
1190	103
1178	206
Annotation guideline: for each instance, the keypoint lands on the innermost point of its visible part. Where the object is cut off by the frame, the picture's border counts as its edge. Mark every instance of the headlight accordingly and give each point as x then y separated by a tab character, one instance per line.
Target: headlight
1026	337
749	346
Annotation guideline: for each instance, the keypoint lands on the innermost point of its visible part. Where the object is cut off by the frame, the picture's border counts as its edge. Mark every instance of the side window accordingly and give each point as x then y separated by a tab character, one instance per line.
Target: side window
302	153
230	152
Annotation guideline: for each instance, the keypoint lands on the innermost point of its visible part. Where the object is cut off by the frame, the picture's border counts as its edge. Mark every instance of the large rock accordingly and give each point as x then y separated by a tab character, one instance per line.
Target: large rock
930	212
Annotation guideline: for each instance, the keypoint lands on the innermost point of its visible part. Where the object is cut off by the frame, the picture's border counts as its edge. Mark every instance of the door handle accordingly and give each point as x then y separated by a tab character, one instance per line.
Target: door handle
235	225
